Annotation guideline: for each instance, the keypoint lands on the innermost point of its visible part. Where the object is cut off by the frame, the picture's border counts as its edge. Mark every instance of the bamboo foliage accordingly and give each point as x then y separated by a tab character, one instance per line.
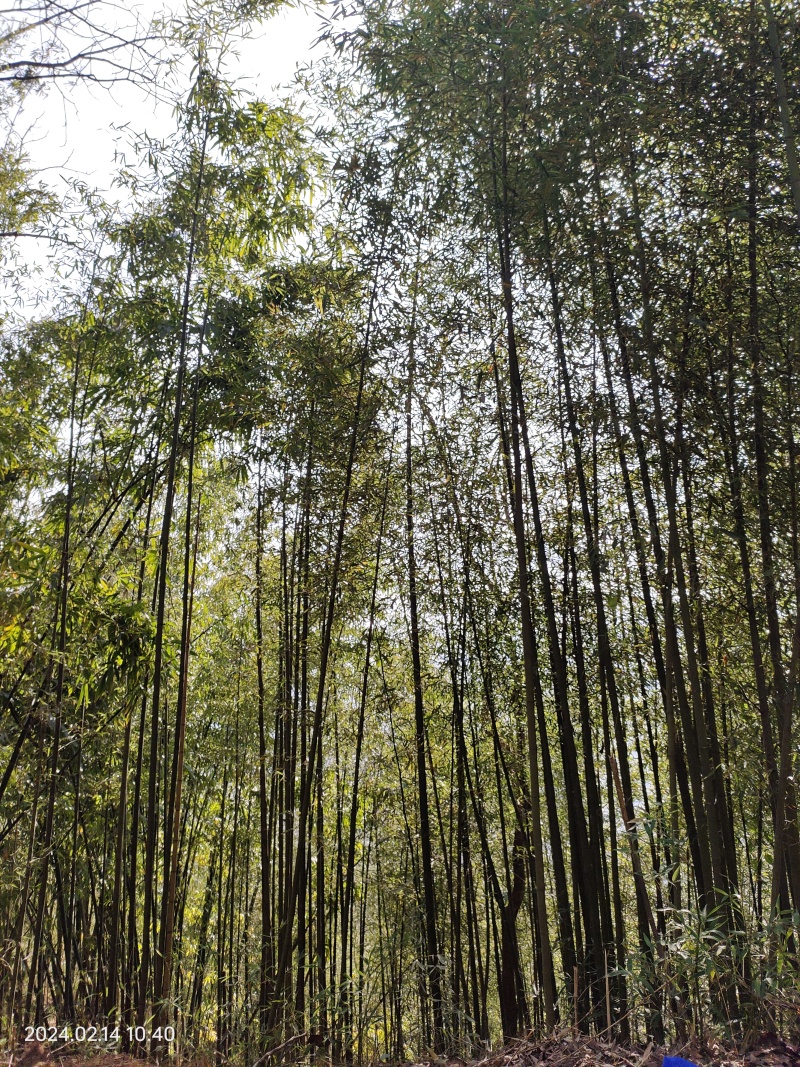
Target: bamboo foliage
401	560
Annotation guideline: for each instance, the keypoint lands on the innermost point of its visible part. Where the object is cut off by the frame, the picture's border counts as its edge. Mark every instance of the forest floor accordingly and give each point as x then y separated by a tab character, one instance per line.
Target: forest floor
560	1051
568	1050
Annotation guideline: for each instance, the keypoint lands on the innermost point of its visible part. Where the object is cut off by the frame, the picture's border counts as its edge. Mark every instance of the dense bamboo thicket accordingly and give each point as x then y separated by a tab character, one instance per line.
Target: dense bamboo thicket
400	553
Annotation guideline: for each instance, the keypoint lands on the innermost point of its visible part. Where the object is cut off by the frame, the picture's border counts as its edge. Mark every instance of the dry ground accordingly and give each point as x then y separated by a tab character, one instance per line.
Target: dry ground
565	1050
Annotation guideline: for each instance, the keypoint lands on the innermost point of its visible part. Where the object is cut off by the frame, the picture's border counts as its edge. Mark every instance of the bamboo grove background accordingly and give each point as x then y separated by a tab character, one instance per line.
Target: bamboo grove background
400	547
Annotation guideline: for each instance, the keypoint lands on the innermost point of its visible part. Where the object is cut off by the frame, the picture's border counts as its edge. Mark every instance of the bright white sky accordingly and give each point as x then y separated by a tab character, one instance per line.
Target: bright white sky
74	133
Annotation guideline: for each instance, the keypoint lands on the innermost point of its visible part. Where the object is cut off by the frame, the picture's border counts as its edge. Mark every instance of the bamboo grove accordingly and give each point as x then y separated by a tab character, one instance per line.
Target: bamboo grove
401	566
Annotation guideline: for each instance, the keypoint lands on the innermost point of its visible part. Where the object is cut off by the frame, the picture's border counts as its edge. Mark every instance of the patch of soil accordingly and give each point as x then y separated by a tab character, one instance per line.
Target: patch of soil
35	1054
564	1050
568	1050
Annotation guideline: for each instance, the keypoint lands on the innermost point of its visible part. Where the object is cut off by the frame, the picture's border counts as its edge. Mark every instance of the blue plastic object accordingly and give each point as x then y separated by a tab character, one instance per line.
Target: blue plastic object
677	1061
